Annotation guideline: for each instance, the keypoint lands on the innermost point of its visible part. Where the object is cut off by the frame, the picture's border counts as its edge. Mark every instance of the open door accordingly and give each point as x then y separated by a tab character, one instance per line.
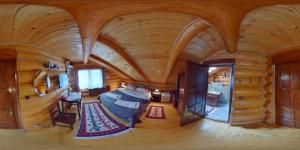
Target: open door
195	93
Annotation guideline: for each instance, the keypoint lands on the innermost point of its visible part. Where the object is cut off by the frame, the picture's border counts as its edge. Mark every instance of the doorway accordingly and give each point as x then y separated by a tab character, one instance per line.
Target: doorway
9	117
218	94
196	94
220	89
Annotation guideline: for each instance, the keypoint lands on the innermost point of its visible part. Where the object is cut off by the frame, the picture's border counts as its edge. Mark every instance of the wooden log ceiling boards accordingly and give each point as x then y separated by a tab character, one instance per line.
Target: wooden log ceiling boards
225	15
107	65
118	49
186	35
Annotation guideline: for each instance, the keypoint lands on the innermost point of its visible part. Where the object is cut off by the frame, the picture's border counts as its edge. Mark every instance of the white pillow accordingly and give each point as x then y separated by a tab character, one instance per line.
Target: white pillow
130	87
142	90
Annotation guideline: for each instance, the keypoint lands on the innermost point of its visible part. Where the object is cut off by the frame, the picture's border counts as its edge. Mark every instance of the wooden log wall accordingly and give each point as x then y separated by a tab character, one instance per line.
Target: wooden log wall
152	86
34	111
112	80
269	90
218	76
248	104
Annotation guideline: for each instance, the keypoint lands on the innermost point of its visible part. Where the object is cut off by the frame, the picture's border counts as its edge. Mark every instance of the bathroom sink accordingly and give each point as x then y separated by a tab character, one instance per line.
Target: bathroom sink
214	92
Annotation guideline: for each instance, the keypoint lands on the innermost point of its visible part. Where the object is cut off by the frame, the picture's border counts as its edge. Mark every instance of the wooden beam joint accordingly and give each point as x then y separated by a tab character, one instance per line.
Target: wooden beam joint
105	39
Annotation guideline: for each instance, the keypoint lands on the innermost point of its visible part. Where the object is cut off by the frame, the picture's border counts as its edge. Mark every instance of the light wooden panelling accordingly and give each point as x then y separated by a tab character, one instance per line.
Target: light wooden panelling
203	45
218	75
152	86
148	38
51	29
269	92
108	54
183	38
112	80
34	111
273	28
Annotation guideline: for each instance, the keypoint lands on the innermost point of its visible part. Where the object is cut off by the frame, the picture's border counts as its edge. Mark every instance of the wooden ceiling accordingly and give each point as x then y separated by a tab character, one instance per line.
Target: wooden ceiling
109	55
51	29
143	39
274	29
148	38
203	44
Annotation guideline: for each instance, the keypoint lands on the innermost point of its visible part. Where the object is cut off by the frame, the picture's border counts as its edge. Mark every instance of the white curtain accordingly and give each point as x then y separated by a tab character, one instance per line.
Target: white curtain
90	79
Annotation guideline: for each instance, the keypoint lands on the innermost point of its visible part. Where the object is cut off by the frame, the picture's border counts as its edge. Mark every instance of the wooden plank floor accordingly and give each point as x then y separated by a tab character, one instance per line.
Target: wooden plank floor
160	135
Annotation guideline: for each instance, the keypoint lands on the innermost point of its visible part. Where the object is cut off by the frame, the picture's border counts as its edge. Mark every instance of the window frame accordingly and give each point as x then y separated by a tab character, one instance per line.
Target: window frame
89	69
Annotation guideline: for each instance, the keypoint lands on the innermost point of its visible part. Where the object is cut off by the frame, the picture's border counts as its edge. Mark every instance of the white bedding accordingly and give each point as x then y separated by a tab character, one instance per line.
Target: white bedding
112	95
142	95
127	104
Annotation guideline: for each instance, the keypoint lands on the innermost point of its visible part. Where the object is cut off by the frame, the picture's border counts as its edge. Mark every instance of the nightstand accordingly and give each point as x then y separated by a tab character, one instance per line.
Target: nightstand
156	97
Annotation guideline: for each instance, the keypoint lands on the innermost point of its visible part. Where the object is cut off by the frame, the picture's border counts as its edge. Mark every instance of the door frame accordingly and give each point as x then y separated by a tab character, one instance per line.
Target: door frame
186	91
224	63
11	55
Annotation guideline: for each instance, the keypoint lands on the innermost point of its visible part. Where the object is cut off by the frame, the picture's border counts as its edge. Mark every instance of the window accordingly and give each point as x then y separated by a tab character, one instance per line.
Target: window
211	69
90	79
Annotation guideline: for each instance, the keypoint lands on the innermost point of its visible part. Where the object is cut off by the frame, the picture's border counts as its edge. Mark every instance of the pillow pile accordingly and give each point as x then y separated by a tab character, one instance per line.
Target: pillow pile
130	87
142	90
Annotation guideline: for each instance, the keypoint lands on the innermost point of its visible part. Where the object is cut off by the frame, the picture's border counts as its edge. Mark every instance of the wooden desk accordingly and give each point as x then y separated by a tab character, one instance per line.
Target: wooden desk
73	98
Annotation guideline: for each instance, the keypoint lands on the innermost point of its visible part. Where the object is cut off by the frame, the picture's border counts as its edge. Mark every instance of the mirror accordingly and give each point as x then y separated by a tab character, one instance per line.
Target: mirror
41	82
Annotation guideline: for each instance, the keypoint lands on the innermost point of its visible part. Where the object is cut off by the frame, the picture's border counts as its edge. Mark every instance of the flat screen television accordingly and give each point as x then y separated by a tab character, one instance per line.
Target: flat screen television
63	80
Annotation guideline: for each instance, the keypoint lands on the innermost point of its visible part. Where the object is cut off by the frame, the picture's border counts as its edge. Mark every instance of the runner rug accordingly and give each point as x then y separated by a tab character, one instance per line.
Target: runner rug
156	112
97	123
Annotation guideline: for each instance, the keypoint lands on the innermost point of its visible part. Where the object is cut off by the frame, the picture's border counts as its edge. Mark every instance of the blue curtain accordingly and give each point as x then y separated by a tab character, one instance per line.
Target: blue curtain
90	79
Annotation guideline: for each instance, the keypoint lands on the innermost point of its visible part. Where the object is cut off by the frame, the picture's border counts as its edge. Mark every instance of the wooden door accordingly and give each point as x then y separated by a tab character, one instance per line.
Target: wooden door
288	94
8	94
195	93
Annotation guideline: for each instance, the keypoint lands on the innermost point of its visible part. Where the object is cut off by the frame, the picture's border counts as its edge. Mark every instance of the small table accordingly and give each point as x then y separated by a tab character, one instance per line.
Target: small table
156	97
73	98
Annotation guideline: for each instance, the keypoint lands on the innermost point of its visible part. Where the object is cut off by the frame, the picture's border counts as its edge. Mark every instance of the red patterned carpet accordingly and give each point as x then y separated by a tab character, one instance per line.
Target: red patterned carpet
156	112
96	123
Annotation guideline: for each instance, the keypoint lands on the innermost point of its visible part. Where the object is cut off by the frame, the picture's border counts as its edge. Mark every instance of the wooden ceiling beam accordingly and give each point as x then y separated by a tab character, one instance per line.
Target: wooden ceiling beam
109	66
121	51
219	69
186	35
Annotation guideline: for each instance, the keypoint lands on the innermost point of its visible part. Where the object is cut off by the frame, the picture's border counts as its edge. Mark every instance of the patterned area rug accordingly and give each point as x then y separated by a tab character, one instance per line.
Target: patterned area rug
156	112
96	123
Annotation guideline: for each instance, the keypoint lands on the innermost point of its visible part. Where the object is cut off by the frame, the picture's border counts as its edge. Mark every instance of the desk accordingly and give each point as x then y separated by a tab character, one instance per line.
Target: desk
73	98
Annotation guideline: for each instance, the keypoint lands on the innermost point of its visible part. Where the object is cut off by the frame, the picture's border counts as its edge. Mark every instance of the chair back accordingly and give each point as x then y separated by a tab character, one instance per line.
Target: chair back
54	111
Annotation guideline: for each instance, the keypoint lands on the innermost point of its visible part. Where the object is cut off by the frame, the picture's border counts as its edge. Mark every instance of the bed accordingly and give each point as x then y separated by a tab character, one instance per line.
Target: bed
131	96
